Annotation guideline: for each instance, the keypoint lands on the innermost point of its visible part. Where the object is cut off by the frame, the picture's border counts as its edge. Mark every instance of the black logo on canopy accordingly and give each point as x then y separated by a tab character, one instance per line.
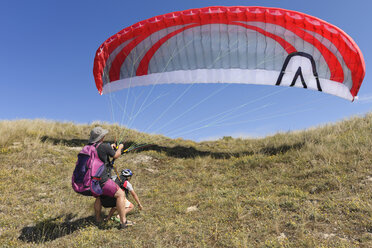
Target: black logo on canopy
299	70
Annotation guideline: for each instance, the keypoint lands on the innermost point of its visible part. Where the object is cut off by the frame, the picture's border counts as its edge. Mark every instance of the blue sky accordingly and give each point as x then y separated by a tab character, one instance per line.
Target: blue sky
48	47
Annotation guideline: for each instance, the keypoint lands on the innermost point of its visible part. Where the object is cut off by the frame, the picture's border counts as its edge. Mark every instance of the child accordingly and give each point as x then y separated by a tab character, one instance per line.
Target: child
107	202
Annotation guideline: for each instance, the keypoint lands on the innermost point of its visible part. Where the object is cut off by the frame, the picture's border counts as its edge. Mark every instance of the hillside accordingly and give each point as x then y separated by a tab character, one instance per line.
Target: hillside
298	189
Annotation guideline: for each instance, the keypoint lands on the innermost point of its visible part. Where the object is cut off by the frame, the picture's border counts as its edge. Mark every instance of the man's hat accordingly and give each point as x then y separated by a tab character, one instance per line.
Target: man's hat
97	134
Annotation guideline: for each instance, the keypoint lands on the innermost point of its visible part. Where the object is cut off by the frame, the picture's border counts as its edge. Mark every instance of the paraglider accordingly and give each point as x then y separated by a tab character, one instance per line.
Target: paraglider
236	45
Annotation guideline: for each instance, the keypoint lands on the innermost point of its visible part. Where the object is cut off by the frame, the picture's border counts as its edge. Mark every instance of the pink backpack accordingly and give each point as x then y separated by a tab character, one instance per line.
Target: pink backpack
88	170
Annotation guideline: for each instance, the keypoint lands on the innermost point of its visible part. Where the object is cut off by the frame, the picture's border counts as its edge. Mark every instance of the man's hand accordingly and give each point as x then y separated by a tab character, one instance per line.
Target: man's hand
118	151
140	206
115	147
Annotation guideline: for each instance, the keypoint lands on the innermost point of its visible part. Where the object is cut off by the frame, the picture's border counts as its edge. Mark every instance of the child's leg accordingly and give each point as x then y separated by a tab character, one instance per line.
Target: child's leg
128	206
112	211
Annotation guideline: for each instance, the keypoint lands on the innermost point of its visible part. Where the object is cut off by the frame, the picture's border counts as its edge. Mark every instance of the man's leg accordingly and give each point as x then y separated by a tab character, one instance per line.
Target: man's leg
112	189
120	205
97	209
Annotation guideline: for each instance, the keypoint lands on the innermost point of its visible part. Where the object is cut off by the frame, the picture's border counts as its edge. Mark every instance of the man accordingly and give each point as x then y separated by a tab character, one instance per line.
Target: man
109	187
124	182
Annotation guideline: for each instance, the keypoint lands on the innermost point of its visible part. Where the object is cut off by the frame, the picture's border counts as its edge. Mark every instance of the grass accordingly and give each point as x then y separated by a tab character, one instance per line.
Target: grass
298	189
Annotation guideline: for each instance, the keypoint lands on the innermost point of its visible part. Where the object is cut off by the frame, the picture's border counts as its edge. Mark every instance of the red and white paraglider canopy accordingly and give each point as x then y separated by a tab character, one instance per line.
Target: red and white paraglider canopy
247	45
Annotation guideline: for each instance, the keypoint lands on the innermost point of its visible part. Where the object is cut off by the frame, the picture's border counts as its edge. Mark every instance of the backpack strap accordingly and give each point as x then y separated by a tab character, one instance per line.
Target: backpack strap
96	145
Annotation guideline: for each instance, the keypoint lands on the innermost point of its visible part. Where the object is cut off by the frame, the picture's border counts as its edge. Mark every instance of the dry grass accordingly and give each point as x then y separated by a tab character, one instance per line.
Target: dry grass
304	189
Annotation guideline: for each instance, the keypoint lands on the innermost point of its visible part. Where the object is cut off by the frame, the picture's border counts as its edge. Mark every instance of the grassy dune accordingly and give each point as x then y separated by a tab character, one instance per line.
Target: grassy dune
299	189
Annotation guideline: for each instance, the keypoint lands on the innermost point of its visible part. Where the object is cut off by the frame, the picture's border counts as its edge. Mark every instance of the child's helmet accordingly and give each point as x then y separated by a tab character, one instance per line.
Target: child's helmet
127	173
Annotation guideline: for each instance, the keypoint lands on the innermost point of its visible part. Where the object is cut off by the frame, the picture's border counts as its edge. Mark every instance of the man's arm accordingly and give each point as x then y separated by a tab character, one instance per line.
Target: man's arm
118	151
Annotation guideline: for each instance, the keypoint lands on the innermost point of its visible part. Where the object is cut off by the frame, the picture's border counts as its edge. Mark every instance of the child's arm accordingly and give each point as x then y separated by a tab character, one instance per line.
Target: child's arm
136	199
